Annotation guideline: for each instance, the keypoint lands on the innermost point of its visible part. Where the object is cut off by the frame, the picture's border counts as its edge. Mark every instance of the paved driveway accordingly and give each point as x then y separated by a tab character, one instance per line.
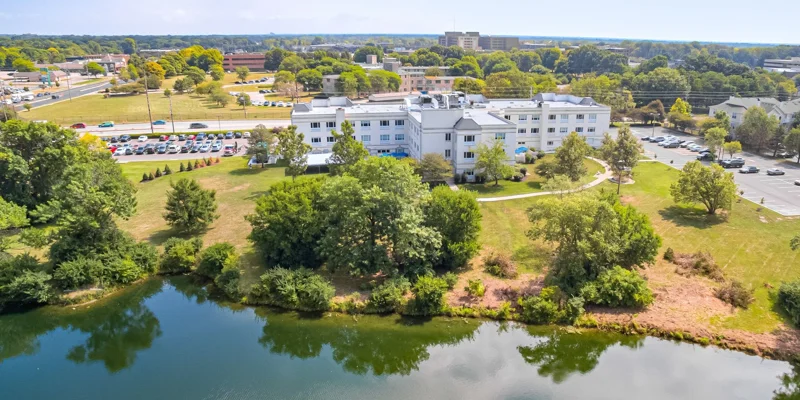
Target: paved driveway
778	192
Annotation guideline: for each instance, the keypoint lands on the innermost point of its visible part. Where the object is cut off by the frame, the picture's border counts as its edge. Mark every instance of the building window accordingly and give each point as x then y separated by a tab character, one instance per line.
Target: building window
447	153
590	130
438	81
579	117
468	155
330	124
551	130
384	138
550	143
385	124
315	125
365	125
551	117
365	138
469	139
400	137
384	151
399	123
330	139
592	117
535	117
316	140
563	130
733	115
564	117
534	130
469	172
523	117
499	136
522	131
579	130
448	137
508	117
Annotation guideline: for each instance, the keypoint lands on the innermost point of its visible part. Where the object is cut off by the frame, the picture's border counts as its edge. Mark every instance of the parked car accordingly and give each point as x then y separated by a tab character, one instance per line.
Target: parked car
797	182
125	138
173	138
205	148
197	125
195	148
775	171
732	163
140	150
107	124
173	149
672	145
786	154
79	125
162	149
159	122
289	104
687	143
114	139
120	151
705	157
181	138
246	135
281	104
229	135
200	137
211	136
216	147
229	150
150	148
55	96
190	137
703	150
186	147
751	169
237	135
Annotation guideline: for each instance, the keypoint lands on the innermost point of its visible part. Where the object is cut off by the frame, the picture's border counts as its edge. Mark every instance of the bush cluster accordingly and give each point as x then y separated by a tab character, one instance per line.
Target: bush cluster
299	289
220	263
699	263
789	299
735	294
180	255
500	265
428	296
23	280
550	306
475	288
389	296
124	262
618	287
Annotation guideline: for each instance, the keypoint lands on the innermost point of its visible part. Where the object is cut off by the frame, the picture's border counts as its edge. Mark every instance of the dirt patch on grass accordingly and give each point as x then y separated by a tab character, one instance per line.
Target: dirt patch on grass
497	290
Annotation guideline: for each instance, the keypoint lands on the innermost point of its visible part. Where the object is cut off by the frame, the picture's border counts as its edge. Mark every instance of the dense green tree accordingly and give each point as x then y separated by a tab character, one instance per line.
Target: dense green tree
791	141
346	151
242	73
292	146
360	55
715	139
621	154
215	258
757	128
435	168
589	58
23	65
12	215
274	58
525	60
550	57
183	85
733	147
293	64
493	162
259	143
457	217
189	207
663	84
469	86
646	66
287	224
180	256
95	69
216	72
384	81
311	79
712	186
570	155
195	74
428	296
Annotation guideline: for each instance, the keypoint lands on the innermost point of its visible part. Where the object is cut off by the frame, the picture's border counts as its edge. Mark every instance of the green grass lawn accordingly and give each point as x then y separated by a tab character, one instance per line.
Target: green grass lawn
237	189
88	81
93	109
751	246
532	183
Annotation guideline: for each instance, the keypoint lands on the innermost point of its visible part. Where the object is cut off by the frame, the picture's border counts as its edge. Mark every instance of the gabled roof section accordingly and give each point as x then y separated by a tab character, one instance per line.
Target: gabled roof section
467	124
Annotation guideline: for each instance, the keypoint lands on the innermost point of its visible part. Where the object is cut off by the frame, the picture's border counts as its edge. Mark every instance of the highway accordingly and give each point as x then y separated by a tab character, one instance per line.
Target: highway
183	126
76	91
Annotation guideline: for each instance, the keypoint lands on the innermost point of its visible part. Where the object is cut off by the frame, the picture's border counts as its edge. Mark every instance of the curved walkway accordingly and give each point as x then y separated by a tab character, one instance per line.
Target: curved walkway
600	179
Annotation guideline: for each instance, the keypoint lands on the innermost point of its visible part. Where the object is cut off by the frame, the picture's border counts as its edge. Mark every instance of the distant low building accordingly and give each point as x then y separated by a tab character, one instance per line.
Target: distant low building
253	61
736	107
502	43
789	67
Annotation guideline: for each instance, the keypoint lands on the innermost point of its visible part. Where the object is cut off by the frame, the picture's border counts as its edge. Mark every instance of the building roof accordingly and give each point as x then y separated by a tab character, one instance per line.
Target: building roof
769	104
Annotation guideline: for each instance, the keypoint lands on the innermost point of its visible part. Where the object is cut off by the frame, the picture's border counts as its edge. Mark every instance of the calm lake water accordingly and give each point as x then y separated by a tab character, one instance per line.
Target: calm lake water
170	340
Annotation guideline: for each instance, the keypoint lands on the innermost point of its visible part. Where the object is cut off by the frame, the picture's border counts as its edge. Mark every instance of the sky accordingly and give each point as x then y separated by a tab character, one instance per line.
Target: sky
679	20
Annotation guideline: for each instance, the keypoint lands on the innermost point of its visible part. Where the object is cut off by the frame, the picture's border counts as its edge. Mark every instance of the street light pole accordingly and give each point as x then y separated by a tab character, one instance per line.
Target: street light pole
171	118
147	96
69	85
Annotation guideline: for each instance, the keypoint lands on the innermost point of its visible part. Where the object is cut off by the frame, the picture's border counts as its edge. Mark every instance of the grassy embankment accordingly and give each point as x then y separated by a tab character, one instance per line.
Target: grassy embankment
531	184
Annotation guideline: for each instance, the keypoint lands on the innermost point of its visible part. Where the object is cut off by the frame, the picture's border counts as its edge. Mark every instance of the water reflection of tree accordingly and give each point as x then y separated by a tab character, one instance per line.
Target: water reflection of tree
118	327
376	345
790	385
562	354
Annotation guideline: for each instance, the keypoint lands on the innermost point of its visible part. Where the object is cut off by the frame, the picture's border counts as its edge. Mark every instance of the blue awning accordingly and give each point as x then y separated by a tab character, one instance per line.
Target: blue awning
520	150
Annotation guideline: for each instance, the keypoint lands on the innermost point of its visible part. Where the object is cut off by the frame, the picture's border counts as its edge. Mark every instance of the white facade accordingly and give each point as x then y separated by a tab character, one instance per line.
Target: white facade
453	125
736	107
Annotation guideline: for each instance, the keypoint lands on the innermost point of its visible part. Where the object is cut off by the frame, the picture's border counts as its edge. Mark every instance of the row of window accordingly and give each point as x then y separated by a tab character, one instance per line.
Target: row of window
364	138
552	117
579	129
398	123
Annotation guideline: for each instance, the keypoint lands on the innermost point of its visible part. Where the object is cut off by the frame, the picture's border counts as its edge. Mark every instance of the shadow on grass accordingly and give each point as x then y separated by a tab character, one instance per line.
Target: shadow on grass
490	188
257	169
690	216
158	238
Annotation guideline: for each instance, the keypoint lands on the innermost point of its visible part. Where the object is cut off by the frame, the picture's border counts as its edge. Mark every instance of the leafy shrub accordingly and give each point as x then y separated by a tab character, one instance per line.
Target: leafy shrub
122	272
180	255
735	294
144	177
196	164
296	290
669	254
789	299
450	279
541	309
158	173
189	166
475	288
145	256
208	162
215	258
76	273
500	265
388	296
540	154
27	287
228	281
618	287
182	168
428	296
523	171
516	178
150	177
167	170
698	264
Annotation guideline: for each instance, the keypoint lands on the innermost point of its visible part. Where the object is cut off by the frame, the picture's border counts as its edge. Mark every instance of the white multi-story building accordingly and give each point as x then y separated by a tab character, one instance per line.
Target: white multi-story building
736	107
453	125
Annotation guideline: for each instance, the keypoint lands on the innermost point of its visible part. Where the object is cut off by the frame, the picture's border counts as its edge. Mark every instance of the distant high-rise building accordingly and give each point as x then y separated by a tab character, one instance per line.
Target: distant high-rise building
467	41
504	43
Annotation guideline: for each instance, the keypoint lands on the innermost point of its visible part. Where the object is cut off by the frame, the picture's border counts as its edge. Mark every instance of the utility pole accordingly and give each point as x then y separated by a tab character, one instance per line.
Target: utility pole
69	85
171	118
147	96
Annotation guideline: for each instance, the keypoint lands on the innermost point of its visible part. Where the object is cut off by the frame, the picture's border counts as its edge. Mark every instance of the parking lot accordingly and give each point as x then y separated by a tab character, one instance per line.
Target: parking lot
135	144
779	193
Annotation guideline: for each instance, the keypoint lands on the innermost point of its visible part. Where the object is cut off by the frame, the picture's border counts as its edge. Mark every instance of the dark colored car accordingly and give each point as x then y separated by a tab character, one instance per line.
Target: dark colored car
734	163
197	125
229	135
150	149
237	135
195	148
211	136
114	139
125	138
186	147
140	150
752	169
200	137
705	157
181	138
162	149
55	96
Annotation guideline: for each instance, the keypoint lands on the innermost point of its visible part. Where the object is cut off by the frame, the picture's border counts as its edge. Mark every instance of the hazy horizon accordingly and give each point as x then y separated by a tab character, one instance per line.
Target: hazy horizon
683	21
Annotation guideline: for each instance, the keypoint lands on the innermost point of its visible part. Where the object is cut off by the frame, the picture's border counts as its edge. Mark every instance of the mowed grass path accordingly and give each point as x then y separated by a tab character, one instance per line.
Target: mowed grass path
237	190
751	246
93	109
531	184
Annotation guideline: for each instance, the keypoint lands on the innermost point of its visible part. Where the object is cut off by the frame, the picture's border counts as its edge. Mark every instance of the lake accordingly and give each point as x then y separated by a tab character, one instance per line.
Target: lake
171	339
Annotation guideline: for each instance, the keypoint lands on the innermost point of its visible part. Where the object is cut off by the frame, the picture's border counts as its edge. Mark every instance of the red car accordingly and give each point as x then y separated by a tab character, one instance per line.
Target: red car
163	138
191	137
79	125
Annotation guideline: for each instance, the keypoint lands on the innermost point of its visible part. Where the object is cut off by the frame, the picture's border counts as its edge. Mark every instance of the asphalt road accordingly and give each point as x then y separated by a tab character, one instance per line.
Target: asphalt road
780	194
179	156
76	91
183	126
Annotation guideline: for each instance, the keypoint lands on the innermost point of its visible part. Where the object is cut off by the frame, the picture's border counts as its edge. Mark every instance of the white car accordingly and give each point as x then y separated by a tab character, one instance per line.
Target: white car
173	149
143	138
687	144
246	135
289	105
281	104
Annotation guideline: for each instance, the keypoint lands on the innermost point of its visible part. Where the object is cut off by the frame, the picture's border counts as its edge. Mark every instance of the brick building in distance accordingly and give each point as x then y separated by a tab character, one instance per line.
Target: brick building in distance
253	61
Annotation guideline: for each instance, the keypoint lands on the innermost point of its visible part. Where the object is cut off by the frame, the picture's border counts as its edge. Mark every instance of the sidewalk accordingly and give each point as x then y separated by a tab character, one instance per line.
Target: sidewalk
600	179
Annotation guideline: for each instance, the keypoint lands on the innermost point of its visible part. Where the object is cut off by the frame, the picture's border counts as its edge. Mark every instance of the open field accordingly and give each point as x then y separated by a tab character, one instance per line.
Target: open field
88	81
93	109
531	184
